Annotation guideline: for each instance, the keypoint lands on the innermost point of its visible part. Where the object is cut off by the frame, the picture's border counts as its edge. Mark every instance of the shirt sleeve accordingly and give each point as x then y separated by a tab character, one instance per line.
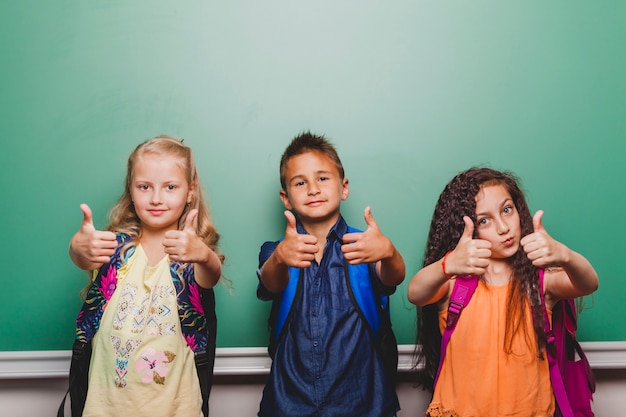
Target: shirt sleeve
267	249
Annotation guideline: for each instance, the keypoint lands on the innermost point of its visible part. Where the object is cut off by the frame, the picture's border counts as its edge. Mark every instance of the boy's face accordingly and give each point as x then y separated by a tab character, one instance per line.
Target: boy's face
314	188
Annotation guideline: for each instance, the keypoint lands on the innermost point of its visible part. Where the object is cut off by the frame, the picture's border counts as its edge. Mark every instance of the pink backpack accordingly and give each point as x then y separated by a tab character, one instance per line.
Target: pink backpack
570	373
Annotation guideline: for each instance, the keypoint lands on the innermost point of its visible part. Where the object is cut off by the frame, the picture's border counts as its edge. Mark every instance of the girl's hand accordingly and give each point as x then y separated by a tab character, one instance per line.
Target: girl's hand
185	245
90	248
470	256
541	248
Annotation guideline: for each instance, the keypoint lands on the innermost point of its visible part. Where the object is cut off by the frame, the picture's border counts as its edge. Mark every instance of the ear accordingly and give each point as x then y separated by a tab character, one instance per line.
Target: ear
285	199
345	189
191	192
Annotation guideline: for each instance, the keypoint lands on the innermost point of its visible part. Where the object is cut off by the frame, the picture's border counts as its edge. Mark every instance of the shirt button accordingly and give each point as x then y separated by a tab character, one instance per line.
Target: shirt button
314	312
315	344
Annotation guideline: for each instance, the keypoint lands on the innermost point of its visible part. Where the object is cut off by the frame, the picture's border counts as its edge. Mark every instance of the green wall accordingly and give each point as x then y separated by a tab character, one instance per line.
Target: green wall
411	92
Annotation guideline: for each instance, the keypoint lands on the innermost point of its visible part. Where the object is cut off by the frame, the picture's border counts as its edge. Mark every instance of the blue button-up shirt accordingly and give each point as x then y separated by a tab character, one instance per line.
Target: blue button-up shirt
326	363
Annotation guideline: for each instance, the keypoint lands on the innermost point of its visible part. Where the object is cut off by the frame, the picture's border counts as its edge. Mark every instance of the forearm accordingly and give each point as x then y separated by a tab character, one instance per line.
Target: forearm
274	274
392	269
580	272
207	272
429	285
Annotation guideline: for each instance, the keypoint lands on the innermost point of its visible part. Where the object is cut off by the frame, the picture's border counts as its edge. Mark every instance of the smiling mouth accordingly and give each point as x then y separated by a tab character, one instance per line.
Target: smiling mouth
314	203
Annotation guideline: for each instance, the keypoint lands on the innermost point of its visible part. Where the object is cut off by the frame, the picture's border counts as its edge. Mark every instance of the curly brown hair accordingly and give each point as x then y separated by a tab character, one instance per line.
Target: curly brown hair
458	199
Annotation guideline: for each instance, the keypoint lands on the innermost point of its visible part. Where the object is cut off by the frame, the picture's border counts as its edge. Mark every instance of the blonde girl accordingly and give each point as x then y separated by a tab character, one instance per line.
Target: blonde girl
144	318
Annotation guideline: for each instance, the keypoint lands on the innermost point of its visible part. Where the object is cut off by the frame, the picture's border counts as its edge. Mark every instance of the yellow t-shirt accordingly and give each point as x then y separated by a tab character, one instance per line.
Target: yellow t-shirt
478	379
141	364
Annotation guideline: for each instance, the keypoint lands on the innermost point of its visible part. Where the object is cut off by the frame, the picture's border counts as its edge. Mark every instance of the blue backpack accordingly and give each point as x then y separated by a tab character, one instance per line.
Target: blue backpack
371	305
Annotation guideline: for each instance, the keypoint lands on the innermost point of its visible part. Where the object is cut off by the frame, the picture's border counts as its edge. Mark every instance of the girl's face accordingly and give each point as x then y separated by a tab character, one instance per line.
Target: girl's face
159	191
497	220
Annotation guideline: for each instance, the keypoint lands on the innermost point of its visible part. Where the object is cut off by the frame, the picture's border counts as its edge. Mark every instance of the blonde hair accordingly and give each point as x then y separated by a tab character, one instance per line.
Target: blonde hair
123	217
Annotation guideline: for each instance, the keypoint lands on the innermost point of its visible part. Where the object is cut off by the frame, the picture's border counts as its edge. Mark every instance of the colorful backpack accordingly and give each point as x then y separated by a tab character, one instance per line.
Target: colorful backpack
572	379
199	328
372	306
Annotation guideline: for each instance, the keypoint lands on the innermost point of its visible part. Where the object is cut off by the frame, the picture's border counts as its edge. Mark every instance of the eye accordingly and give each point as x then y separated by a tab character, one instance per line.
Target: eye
298	183
508	210
171	187
483	221
324	178
143	187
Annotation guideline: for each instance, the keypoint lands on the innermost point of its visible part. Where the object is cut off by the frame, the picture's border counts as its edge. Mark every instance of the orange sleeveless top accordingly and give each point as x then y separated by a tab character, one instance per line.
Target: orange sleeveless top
478	379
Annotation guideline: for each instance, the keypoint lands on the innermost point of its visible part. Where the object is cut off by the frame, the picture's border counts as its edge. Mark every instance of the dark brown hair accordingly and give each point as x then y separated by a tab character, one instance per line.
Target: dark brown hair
308	142
458	199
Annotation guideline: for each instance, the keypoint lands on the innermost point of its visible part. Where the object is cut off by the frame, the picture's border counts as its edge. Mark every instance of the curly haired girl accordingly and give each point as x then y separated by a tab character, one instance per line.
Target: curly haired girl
495	364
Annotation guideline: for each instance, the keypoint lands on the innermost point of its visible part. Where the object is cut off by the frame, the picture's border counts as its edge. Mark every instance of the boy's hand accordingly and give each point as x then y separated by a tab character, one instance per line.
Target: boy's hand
368	246
90	247
295	249
470	256
540	247
185	245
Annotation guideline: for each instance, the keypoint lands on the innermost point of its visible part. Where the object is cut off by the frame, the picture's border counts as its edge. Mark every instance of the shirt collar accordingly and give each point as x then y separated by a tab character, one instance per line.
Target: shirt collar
339	229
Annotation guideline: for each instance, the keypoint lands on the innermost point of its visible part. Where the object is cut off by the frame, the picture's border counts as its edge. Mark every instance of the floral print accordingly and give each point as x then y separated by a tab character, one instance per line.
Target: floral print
153	365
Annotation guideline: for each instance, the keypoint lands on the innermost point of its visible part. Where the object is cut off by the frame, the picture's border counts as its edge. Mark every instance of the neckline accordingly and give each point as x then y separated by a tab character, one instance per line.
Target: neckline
145	257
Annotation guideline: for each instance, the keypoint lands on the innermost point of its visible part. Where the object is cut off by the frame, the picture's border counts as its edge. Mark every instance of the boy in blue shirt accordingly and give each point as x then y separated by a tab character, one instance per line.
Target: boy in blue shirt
326	361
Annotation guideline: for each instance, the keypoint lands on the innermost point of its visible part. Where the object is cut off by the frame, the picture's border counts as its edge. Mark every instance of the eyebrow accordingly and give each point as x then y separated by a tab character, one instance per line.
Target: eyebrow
325	172
504	203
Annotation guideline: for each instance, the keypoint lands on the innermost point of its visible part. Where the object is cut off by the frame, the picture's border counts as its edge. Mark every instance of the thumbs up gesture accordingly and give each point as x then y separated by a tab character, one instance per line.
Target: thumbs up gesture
368	246
185	245
470	256
90	248
297	250
540	247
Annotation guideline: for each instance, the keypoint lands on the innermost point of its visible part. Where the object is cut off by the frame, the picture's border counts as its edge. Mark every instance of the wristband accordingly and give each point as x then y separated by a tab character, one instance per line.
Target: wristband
443	266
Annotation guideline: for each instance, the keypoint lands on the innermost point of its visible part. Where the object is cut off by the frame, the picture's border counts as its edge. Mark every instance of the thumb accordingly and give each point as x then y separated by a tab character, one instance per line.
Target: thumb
87	216
537	221
468	232
189	221
369	218
291	222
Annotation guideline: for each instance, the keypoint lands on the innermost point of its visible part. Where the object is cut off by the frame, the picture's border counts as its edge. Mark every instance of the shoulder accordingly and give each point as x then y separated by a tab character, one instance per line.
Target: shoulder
267	248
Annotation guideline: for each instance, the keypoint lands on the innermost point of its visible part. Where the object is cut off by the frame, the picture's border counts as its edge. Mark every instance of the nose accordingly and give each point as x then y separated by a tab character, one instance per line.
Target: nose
155	198
502	227
313	188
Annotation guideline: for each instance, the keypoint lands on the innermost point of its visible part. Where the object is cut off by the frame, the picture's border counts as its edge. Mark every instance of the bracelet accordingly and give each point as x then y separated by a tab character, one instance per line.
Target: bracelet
443	266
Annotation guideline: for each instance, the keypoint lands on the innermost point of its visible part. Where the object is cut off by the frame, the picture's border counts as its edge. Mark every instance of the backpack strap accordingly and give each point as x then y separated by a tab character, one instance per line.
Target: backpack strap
371	304
462	292
373	308
291	291
555	373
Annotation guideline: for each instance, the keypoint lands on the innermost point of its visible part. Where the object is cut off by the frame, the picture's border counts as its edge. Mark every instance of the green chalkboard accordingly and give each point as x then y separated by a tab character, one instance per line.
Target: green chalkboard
411	92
